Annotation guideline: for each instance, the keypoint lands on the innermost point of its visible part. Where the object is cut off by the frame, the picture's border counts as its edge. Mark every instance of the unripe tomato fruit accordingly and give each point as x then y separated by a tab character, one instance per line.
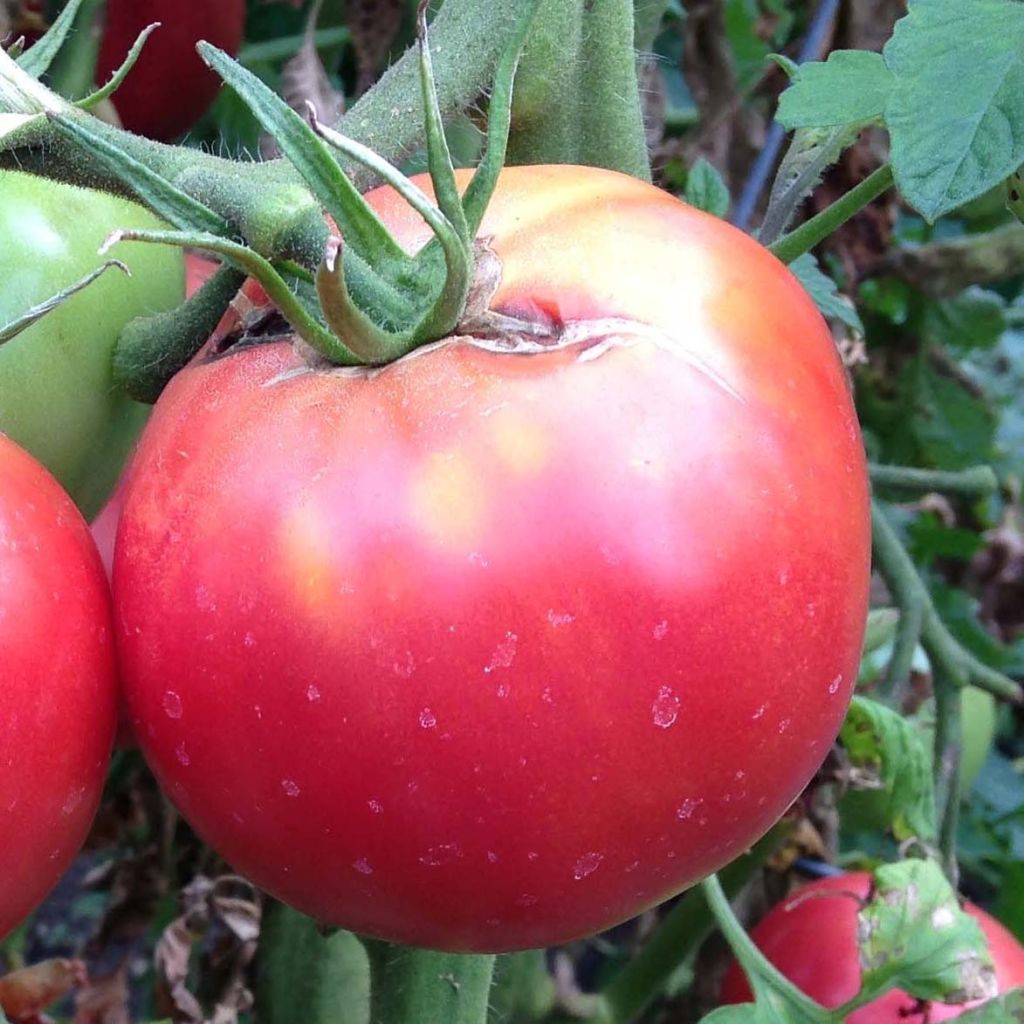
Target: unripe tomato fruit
57	701
57	395
487	649
811	937
170	87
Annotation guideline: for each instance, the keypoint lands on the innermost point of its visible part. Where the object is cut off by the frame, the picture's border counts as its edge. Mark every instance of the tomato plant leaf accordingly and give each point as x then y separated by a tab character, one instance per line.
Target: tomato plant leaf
976	318
811	151
914	936
1004	1009
886	745
946	153
706	190
1015	194
851	87
825	293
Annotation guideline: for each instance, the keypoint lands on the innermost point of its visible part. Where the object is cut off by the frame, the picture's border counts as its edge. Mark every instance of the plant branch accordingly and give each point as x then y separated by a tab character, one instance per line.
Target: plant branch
819	227
976	482
911	596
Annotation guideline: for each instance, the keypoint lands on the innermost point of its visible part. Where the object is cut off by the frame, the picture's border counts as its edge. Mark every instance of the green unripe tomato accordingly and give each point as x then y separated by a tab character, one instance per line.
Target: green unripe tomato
57	396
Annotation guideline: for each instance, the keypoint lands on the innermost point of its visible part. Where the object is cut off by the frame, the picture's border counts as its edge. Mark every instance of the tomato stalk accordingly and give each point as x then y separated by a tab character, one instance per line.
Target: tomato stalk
764	977
678	936
578	100
415	985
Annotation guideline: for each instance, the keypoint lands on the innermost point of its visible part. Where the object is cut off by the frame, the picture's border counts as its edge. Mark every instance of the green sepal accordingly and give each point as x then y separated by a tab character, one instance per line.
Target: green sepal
118	77
302	319
31	316
152	349
38	58
161	196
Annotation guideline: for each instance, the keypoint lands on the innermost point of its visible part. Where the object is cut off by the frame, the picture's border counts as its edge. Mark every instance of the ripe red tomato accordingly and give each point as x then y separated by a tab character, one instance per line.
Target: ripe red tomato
170	87
812	938
57	701
489	650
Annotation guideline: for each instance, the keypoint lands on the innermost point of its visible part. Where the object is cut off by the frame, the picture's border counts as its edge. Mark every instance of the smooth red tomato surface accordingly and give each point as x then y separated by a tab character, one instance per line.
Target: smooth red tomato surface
812	938
57	700
170	87
488	650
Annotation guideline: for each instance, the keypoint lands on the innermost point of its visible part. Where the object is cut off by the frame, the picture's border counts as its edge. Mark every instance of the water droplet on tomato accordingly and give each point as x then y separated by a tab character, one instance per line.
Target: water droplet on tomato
172	705
290	787
665	709
182	755
587	865
363	866
687	807
427	719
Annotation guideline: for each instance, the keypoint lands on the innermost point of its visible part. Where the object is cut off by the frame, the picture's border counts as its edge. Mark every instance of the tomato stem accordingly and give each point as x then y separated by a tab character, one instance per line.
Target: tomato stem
975	482
819	227
762	974
678	936
418	986
953	668
578	98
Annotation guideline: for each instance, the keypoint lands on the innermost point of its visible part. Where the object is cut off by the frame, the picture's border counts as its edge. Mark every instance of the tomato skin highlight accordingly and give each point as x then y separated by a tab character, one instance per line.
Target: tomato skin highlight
57	702
57	395
812	938
170	87
485	651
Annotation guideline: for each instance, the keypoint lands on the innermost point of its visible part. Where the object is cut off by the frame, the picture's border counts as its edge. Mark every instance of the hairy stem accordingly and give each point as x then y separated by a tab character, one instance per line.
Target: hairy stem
818	228
577	95
417	986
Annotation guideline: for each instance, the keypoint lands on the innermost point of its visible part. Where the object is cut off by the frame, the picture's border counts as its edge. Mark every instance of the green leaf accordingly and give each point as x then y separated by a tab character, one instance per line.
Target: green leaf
881	628
914	936
953	425
1004	1009
706	190
885	745
955	117
973	319
823	290
810	153
1015	194
851	87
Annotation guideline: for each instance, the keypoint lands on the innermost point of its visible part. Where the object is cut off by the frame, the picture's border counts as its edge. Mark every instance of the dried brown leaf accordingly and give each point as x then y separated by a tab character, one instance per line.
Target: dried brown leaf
305	80
25	993
222	918
104	1000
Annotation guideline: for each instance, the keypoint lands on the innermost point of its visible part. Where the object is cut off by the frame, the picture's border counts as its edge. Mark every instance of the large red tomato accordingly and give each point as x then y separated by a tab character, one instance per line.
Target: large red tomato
812	938
489	649
170	87
57	701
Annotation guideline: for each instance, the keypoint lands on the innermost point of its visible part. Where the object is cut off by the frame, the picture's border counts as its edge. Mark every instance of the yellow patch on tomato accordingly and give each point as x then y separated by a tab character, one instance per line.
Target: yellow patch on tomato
446	500
521	445
308	552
